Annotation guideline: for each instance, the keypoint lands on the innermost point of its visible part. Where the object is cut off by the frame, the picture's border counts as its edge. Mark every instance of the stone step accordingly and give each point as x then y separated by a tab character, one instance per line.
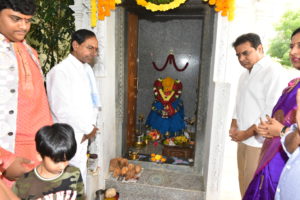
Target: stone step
160	185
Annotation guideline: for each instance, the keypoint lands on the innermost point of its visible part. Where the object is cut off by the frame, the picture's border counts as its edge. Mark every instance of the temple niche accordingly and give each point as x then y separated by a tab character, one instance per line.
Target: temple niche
154	47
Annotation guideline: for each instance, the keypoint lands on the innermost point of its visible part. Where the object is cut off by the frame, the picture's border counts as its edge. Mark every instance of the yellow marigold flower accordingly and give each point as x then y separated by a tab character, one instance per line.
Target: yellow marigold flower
118	1
224	13
158	157
161	7
212	2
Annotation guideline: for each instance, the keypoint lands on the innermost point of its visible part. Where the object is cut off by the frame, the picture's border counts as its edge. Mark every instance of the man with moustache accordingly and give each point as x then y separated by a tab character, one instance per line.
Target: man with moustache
258	90
73	94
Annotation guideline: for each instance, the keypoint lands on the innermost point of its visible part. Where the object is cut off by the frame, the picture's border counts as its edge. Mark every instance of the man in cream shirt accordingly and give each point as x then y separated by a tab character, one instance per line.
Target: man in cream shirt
73	95
259	89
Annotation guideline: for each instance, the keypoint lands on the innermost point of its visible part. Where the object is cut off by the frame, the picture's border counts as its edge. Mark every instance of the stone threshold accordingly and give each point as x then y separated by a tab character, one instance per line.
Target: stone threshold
160	185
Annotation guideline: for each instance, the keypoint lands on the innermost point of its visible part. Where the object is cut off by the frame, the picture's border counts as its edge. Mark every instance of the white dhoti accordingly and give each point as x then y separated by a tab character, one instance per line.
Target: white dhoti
80	158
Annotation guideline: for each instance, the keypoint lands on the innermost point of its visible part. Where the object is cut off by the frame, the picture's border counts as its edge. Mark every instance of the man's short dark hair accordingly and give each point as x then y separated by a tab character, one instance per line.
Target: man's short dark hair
81	35
26	7
57	142
295	32
253	38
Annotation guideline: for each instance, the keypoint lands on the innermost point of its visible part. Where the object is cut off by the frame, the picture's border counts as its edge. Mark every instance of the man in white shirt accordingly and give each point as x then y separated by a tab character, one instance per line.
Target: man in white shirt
73	95
259	89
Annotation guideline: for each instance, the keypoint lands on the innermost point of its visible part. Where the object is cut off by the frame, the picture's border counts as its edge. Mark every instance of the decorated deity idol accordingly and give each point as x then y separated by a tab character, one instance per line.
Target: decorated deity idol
167	112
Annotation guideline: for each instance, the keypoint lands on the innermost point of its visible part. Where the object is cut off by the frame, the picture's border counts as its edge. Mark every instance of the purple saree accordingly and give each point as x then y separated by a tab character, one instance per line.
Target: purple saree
272	157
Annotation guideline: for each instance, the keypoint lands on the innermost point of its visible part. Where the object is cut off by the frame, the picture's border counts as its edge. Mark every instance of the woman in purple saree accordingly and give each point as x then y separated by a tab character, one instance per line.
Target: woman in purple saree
273	158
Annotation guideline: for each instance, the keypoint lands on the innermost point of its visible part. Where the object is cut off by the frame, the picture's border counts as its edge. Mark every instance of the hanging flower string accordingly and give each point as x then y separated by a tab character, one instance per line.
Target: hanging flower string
93	13
226	7
160	5
103	8
171	60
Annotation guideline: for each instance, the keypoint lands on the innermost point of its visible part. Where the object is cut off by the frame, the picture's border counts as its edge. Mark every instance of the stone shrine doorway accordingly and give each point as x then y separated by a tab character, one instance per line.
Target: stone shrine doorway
153	38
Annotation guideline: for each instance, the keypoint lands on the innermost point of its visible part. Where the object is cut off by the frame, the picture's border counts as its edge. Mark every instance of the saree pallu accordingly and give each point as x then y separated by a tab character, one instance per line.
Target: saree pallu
273	158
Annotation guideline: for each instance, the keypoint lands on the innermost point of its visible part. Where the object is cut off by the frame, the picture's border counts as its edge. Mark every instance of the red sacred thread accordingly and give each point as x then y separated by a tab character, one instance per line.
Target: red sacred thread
171	60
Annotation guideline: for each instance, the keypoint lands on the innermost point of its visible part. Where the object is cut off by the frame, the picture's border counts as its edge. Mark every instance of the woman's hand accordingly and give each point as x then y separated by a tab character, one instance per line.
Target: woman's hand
274	126
262	129
270	128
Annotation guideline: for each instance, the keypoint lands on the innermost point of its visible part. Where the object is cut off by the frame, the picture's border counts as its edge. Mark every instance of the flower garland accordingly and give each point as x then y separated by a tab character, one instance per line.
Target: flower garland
177	88
93	13
103	8
226	7
170	60
164	5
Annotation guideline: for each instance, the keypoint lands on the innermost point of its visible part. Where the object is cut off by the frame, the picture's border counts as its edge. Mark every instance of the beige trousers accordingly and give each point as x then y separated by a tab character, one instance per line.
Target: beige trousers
247	157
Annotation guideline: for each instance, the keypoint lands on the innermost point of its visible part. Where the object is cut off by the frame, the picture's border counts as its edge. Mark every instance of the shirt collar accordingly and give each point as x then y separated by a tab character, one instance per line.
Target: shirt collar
263	62
77	62
6	42
2	37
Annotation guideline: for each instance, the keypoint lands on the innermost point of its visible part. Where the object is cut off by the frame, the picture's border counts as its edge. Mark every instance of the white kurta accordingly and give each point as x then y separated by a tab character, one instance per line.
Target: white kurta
257	94
69	94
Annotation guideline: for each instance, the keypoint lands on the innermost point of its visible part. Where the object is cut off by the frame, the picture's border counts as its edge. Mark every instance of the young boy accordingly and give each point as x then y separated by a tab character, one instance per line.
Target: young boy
54	178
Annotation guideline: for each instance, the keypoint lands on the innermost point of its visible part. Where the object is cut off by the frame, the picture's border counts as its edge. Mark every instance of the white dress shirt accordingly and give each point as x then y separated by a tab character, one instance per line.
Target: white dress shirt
69	95
289	182
257	94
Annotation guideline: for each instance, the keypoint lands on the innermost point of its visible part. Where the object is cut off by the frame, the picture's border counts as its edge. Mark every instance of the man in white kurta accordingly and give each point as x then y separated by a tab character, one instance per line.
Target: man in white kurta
73	95
259	89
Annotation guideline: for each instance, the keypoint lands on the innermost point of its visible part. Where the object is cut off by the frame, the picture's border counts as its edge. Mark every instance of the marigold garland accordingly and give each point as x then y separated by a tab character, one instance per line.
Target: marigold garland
93	13
160	7
103	8
226	7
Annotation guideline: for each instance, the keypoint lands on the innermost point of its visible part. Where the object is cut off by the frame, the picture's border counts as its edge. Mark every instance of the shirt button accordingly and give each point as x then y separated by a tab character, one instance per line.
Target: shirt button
10	133
12	68
11	112
12	91
288	167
